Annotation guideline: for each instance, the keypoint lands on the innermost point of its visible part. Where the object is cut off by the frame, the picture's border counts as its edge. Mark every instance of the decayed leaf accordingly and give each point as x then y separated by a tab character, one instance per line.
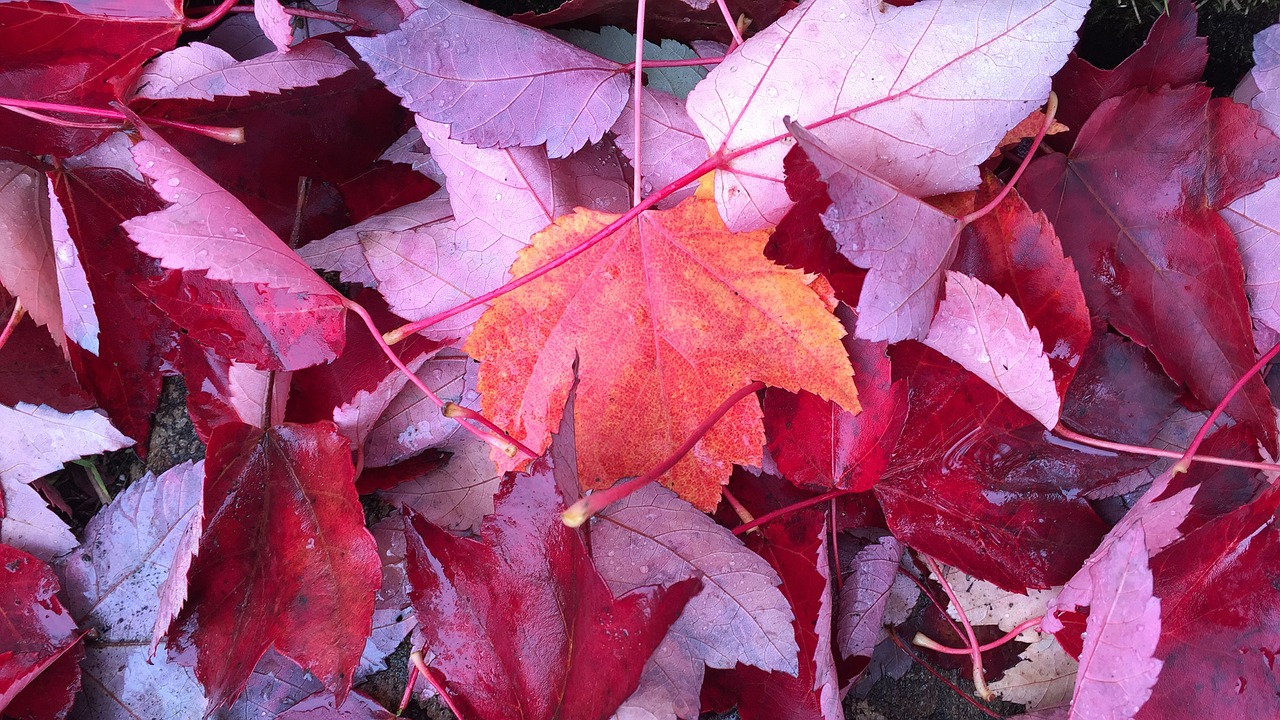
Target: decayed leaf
1117	669
203	72
651	537
916	95
906	244
36	440
1175	287
988	335
665	319
298	572
40	664
453	63
484	605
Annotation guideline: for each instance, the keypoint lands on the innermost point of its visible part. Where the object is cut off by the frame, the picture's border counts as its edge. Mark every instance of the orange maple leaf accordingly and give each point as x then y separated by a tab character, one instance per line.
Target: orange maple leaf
665	319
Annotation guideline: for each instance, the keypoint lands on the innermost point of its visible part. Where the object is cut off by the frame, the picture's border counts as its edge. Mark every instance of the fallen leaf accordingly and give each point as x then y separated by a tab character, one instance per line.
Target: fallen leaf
298	574
528	582
275	23
36	440
463	86
40	667
864	595
894	89
202	72
709	316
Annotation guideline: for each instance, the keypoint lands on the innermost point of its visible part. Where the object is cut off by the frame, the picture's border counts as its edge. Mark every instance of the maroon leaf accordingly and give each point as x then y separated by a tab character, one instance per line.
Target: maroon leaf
987	334
1119	392
203	72
1176	288
1017	252
817	445
39	667
100	47
297	573
34	370
1172	55
97	195
652	537
976	483
526	583
451	63
796	547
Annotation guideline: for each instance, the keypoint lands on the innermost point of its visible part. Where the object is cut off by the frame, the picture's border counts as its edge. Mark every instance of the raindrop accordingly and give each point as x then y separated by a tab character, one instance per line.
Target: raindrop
174	182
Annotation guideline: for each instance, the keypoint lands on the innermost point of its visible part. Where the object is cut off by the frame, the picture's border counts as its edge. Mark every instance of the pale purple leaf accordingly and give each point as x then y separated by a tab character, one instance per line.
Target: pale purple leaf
671	144
29	525
652	537
203	72
987	334
1117	666
173	591
500	198
207	228
864	595
343	253
121	684
906	244
458	494
826	680
356	418
79	320
113	581
36	440
412	151
393	617
275	23
1255	218
452	63
28	270
917	95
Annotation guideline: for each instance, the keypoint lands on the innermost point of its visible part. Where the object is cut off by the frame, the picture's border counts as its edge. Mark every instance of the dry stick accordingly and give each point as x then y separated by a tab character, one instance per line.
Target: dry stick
580	511
231	136
495	436
1061	431
975	655
637	94
956	689
14	318
1185	461
925	641
418	662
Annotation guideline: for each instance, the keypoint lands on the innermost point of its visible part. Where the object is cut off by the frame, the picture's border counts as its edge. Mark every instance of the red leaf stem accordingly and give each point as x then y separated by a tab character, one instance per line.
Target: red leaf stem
1066	434
582	510
207	21
925	641
338	18
1185	461
15	317
954	688
231	136
1050	109
979	677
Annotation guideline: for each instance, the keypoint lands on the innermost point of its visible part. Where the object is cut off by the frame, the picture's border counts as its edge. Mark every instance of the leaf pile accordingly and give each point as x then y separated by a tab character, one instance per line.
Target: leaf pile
435	279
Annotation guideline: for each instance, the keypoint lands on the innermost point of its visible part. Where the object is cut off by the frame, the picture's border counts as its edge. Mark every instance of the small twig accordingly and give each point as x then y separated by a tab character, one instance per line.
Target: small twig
15	317
95	479
312	14
1067	434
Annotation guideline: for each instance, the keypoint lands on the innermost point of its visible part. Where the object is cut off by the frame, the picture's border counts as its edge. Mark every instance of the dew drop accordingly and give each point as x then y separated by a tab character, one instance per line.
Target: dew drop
644	569
497	197
773	92
174	182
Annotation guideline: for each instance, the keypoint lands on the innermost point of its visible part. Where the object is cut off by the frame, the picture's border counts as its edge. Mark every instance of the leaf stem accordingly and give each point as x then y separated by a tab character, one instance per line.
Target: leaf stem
581	511
492	434
649	201
231	136
15	317
956	689
408	689
925	641
418	662
733	26
770	517
637	96
1185	461
207	21
1050	109
1061	431
312	14
690	62
738	508
975	655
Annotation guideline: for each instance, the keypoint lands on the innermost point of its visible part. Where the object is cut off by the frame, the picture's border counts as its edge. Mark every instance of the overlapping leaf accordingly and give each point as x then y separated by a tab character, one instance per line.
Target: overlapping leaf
704	314
203	72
